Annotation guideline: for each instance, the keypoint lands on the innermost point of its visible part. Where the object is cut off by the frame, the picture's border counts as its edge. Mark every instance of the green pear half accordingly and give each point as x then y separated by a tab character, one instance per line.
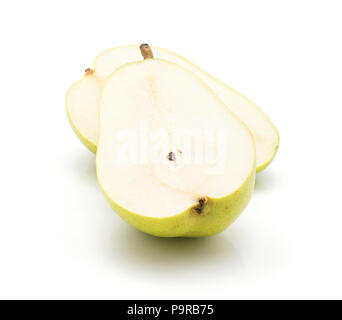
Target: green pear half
82	108
172	159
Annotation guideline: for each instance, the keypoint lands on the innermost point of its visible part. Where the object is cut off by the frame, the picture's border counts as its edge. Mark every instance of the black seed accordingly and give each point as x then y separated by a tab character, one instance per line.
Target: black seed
171	156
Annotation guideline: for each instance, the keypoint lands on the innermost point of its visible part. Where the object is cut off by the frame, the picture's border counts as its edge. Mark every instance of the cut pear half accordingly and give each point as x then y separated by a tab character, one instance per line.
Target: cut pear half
265	134
172	160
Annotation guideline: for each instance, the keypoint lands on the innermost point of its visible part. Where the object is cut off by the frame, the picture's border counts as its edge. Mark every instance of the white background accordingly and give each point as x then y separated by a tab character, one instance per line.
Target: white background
58	236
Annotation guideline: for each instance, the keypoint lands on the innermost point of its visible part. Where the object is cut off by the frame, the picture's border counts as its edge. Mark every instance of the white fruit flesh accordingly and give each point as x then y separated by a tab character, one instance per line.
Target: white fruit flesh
163	96
82	109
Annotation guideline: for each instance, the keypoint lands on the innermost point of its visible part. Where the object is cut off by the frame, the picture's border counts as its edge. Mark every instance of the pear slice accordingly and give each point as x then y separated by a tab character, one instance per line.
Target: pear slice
172	160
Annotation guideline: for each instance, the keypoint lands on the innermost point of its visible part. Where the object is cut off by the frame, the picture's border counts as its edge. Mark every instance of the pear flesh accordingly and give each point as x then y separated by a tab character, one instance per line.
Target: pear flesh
264	133
172	160
82	108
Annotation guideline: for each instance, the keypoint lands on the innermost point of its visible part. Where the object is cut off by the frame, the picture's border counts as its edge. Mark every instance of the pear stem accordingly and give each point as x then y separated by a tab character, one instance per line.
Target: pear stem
146	51
88	71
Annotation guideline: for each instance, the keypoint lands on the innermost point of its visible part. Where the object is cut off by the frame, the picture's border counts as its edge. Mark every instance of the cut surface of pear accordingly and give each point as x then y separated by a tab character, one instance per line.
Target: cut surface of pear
172	160
265	134
82	108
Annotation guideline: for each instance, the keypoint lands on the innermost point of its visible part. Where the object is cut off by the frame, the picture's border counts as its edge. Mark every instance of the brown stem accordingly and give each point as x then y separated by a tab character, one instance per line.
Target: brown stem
88	71
146	51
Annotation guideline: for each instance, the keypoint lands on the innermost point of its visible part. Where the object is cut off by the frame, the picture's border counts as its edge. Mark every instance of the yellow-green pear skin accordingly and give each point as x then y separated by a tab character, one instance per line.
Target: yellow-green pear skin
190	224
